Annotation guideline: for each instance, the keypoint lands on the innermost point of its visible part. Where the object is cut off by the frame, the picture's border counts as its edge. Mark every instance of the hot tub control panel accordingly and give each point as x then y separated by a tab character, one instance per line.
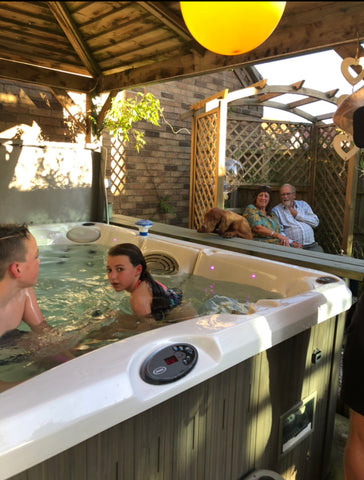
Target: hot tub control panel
169	363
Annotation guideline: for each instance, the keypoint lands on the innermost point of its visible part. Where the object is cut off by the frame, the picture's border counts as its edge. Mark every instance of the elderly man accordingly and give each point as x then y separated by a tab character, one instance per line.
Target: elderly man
297	219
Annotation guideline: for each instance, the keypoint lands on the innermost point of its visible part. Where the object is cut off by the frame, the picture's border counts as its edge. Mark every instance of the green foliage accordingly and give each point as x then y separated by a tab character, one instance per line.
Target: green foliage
165	205
124	113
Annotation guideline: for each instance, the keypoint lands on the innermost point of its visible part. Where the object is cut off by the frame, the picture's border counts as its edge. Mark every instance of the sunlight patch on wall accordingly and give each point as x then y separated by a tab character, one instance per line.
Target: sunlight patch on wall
8	98
49	167
39	165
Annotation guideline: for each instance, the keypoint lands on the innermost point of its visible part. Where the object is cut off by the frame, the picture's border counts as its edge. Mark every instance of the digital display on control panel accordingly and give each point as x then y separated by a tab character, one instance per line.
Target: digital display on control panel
171	360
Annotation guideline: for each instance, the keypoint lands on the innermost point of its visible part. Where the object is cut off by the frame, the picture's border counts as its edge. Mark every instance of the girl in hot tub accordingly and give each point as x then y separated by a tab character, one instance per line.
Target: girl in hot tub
127	270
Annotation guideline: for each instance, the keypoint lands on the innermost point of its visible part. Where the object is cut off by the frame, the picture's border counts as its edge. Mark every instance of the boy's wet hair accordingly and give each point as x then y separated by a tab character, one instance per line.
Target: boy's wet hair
12	245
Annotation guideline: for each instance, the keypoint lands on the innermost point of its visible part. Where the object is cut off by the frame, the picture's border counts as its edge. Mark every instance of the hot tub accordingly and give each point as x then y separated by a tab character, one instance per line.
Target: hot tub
142	393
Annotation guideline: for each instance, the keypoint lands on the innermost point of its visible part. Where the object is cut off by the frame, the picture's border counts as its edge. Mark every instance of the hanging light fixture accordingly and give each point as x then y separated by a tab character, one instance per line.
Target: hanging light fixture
231	28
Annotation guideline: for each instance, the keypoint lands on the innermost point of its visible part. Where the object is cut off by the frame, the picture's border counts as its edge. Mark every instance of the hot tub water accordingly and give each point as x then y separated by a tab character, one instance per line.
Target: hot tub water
76	299
72	280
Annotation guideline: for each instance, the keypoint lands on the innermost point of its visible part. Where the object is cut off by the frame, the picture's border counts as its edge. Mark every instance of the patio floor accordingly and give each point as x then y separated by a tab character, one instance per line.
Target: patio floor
340	437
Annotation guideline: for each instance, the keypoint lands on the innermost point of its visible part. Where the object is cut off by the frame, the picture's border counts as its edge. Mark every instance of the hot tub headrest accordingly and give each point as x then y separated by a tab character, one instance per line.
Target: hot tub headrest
83	234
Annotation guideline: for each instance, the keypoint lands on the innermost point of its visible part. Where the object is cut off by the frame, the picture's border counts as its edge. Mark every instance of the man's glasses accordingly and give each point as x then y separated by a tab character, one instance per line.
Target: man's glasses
285	194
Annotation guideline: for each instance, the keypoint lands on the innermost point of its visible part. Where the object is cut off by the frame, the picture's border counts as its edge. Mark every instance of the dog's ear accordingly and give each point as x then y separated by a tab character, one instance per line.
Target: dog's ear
215	216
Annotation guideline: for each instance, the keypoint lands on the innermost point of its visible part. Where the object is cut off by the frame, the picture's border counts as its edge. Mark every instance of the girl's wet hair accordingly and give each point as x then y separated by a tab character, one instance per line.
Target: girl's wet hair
12	245
160	301
132	252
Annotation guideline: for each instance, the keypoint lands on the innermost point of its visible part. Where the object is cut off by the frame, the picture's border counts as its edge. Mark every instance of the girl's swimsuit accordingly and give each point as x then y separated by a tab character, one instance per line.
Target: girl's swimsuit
174	295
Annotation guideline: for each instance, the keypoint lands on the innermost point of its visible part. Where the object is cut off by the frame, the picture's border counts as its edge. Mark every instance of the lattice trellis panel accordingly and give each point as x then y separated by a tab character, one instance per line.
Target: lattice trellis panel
204	166
301	154
117	166
331	176
358	249
270	152
116	171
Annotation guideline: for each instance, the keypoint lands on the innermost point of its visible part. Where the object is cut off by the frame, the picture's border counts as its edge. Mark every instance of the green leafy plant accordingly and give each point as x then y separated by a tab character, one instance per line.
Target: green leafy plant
124	113
165	205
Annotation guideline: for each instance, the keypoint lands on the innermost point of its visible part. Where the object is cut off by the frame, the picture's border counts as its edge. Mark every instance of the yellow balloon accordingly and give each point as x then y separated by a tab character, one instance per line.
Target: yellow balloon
231	28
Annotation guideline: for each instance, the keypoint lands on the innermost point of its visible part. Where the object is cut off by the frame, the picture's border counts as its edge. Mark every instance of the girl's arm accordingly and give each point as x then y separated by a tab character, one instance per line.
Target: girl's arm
140	302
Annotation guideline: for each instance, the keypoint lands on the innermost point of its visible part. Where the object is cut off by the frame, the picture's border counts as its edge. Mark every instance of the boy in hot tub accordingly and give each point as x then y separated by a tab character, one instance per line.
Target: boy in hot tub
19	267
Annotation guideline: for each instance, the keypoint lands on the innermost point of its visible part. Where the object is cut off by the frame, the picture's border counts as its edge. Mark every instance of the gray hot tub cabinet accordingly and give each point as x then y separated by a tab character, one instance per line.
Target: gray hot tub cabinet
273	411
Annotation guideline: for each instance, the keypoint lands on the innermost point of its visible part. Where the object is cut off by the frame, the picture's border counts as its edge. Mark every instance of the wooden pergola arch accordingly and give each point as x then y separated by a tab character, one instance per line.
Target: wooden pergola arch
209	146
265	94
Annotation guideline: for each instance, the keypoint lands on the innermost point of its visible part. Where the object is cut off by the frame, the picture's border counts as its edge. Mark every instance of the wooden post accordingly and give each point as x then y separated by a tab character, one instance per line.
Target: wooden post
192	173
88	120
350	196
221	149
313	165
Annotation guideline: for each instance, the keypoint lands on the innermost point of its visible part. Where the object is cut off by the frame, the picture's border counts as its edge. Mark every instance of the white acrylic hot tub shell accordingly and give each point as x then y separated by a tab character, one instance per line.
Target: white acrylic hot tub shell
78	399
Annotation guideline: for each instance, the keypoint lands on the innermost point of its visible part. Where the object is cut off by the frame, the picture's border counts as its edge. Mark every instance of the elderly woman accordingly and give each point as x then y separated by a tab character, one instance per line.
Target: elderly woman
262	221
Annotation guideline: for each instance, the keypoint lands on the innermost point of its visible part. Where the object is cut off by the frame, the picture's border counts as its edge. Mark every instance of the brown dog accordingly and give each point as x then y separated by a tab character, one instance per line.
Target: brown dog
225	223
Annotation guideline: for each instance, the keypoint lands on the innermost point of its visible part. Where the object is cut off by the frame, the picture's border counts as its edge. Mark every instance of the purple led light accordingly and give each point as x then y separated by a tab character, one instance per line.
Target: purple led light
253	275
212	267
